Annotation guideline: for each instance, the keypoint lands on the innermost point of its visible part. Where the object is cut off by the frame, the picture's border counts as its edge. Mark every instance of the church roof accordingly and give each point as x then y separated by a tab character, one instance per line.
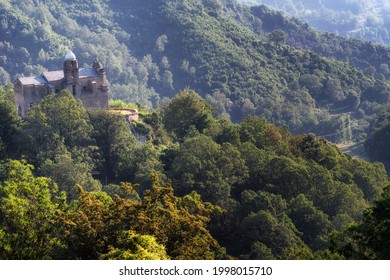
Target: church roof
88	72
38	80
70	56
54	76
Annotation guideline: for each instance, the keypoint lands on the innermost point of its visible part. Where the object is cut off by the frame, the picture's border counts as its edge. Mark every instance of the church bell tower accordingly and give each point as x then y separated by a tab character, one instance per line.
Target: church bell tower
71	73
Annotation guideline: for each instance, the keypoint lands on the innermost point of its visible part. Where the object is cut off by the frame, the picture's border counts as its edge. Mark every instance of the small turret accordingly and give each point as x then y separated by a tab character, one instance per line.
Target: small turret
98	66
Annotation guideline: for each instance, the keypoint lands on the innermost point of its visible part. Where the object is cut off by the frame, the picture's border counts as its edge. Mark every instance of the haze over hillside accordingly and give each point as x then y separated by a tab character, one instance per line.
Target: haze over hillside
368	20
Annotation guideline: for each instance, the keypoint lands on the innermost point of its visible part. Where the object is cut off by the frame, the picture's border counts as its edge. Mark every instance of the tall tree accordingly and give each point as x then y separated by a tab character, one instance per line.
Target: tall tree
100	227
371	238
115	143
27	212
68	171
186	110
180	224
276	232
9	125
58	118
313	223
208	168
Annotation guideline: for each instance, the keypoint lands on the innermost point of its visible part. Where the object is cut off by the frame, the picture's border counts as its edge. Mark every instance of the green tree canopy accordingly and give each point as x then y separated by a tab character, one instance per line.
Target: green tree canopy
313	223
276	232
27	213
57	118
68	171
115	144
9	125
186	110
208	168
369	239
160	225
136	247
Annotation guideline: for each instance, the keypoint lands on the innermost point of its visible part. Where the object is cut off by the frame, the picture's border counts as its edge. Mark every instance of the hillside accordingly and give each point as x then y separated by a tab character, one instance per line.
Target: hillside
230	54
220	163
367	20
199	188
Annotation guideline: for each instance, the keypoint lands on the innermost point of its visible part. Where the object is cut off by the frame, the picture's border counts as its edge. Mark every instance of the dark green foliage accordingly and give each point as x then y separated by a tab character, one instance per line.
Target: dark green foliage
144	161
376	144
313	223
186	110
259	251
369	239
259	132
276	232
68	171
277	37
256	160
325	188
10	124
253	202
223	131
287	177
115	143
58	120
208	168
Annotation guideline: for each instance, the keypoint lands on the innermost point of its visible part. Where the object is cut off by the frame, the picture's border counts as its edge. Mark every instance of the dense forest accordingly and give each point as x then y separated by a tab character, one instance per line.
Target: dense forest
80	186
244	61
229	166
368	20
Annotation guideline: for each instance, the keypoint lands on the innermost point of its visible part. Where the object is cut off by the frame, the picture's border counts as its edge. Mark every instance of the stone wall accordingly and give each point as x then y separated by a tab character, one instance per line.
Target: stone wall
26	96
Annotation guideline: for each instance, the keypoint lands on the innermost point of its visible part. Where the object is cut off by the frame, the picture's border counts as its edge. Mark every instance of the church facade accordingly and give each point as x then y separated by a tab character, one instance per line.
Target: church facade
86	84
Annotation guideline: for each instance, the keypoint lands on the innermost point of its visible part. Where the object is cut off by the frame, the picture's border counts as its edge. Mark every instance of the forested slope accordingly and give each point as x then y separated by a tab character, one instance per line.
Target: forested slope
359	53
213	179
367	20
226	52
80	186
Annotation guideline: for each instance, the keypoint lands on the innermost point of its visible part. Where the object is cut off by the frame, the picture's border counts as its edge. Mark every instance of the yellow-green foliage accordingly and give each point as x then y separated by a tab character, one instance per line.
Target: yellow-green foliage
136	247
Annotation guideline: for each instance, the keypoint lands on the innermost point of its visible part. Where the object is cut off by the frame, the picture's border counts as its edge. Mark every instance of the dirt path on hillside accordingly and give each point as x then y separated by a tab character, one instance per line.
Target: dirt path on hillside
355	149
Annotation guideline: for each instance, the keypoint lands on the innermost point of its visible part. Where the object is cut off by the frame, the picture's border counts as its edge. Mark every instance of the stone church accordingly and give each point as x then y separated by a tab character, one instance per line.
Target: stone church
86	84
